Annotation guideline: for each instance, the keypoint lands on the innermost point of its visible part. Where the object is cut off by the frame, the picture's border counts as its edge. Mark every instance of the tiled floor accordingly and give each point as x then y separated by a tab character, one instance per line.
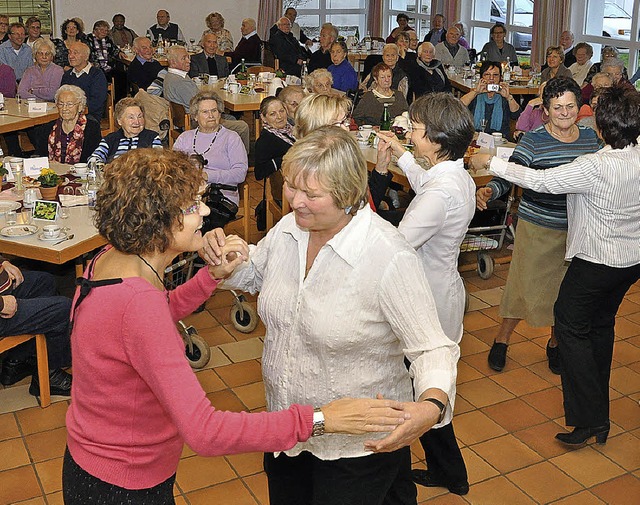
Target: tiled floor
505	421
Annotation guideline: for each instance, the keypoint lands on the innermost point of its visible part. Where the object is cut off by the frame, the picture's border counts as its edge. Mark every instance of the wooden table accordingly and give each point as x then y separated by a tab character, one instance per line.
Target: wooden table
465	85
237	102
17	117
80	220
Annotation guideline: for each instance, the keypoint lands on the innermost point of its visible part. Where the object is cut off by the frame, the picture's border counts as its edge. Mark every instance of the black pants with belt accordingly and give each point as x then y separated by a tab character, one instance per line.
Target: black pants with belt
585	315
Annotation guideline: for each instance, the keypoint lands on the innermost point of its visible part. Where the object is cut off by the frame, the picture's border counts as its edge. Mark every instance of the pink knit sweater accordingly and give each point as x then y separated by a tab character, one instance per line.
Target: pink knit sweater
135	400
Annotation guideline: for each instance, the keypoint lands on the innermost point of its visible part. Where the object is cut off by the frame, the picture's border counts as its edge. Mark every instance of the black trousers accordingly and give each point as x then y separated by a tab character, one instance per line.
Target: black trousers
81	488
585	315
443	455
378	479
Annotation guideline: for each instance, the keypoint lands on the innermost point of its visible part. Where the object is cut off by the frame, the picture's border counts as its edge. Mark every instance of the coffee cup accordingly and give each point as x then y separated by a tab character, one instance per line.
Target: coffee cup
497	138
364	132
234	87
51	231
213	79
80	169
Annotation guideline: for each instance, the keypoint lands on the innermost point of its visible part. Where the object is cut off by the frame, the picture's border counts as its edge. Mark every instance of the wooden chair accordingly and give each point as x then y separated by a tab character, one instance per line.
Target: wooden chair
179	121
108	123
260	68
274	210
7	343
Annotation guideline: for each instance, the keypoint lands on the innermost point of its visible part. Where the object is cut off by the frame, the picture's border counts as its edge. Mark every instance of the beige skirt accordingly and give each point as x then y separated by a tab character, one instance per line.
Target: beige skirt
536	271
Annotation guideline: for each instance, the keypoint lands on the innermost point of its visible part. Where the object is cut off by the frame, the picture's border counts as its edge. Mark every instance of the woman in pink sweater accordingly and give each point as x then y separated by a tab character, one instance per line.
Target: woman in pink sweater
135	400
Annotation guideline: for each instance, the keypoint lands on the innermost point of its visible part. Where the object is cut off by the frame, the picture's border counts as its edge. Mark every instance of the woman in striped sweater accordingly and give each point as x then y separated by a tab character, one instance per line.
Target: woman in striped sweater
131	135
537	265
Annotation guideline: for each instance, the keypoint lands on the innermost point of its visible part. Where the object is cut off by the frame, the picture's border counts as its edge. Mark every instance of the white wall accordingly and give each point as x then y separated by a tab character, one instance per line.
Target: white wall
140	15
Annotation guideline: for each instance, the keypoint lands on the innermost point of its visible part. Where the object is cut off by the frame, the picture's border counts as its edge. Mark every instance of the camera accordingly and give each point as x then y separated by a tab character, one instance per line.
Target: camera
493	87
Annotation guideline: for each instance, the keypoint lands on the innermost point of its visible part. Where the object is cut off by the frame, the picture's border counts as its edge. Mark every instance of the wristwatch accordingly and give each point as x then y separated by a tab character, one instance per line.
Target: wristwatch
438	404
318	423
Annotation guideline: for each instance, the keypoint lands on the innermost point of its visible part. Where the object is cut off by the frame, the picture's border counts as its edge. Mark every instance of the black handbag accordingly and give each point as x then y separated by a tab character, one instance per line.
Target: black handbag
261	210
223	210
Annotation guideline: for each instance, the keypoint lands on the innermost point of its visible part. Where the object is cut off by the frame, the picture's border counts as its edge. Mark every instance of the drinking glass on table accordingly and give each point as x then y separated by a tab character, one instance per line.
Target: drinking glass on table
11	217
27	216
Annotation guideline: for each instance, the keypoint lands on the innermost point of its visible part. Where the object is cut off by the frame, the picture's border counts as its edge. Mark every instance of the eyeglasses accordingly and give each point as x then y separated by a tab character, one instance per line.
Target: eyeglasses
66	105
193	209
345	122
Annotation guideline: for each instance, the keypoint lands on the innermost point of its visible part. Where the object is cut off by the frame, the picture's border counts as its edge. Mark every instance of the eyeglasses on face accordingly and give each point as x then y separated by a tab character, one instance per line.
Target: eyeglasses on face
345	122
193	209
66	105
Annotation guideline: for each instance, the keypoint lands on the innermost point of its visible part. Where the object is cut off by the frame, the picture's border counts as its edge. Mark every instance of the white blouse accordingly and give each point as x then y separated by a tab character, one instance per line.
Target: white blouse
435	224
345	329
579	72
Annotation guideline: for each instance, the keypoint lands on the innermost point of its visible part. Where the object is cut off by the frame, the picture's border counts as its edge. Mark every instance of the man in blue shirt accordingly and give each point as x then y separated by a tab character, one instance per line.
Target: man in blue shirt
14	52
88	78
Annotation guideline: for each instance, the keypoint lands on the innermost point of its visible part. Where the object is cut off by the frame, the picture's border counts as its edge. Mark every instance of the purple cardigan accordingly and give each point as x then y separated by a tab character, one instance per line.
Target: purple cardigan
39	84
226	156
530	119
7	81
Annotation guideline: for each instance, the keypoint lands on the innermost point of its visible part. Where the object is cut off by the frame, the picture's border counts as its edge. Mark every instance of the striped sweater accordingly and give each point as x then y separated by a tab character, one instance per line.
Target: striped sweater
539	150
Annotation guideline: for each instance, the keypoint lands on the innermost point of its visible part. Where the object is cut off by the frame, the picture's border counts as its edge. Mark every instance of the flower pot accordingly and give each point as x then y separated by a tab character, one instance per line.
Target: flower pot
526	72
49	193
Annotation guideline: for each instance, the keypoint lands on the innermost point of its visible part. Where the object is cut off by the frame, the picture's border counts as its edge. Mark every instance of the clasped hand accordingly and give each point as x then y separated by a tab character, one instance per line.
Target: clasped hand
223	253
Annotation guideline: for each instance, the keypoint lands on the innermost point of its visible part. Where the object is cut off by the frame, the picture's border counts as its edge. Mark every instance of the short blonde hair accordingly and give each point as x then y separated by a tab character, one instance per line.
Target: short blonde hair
214	15
319	110
333	156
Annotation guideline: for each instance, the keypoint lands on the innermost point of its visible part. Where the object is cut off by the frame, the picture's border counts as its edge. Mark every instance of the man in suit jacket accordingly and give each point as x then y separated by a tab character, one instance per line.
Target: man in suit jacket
143	69
287	49
208	61
250	45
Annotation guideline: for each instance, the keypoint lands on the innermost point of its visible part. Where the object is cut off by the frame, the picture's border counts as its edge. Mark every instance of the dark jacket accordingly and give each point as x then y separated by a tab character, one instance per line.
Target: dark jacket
199	65
319	60
287	49
94	85
431	81
250	49
143	74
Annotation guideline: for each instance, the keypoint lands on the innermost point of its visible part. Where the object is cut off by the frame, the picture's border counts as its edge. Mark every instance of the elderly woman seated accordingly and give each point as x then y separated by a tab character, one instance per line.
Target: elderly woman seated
319	81
344	76
430	76
370	107
131	135
222	149
42	79
555	62
607	52
400	79
276	138
74	136
492	105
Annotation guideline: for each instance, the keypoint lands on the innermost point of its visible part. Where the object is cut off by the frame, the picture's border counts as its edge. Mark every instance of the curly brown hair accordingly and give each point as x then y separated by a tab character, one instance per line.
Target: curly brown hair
141	200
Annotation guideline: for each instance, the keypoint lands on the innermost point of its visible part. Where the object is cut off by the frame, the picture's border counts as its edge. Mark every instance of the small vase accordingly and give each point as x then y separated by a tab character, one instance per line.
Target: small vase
49	193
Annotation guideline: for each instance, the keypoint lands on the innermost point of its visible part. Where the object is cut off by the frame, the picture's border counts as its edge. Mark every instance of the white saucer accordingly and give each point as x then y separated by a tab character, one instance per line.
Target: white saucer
63	235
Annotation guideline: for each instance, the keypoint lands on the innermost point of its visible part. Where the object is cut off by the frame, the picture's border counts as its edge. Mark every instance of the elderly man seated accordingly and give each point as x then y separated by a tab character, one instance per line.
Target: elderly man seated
449	51
29	303
322	57
169	31
143	69
287	49
209	61
14	52
88	78
121	34
249	47
179	88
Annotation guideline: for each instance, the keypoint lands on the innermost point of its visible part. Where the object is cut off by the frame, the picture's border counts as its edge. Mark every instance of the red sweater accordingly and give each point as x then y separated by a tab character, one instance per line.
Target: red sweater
135	399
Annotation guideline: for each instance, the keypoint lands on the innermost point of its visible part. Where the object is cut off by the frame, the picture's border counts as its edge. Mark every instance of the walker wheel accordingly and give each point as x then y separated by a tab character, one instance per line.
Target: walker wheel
244	320
485	265
198	353
466	297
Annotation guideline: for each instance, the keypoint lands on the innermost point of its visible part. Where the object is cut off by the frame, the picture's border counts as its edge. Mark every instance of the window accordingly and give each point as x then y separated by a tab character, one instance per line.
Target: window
345	15
417	10
516	15
21	10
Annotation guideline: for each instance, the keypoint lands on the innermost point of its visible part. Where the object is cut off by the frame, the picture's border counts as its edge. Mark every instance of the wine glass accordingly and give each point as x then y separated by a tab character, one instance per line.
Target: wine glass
192	41
483	124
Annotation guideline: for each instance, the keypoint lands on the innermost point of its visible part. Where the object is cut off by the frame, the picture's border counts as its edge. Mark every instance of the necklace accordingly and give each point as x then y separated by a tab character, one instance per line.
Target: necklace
152	269
195	137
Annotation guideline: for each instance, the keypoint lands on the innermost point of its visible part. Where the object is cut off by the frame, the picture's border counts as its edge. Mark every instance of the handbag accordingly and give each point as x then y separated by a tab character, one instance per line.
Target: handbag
223	210
261	210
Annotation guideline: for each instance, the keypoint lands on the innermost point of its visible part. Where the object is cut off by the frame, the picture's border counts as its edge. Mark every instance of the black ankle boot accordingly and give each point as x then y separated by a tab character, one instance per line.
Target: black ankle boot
580	436
14	371
553	355
59	383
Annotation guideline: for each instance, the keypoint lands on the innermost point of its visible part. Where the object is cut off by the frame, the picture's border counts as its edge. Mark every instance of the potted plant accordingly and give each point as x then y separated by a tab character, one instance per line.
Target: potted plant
526	69
281	73
242	77
49	182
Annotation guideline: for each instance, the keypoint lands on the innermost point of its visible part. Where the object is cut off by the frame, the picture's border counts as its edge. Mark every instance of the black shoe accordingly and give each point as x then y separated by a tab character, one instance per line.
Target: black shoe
59	383
553	355
429	479
497	356
580	436
14	370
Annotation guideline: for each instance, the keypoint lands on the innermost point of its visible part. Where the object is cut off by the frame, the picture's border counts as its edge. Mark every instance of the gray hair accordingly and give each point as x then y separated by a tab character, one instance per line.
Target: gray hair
612	62
391	46
250	22
37	45
201	96
77	92
137	40
311	79
172	53
331	28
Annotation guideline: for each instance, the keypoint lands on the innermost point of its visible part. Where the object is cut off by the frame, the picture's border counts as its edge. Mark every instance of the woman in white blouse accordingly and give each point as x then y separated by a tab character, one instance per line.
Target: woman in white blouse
345	300
579	70
603	245
435	224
